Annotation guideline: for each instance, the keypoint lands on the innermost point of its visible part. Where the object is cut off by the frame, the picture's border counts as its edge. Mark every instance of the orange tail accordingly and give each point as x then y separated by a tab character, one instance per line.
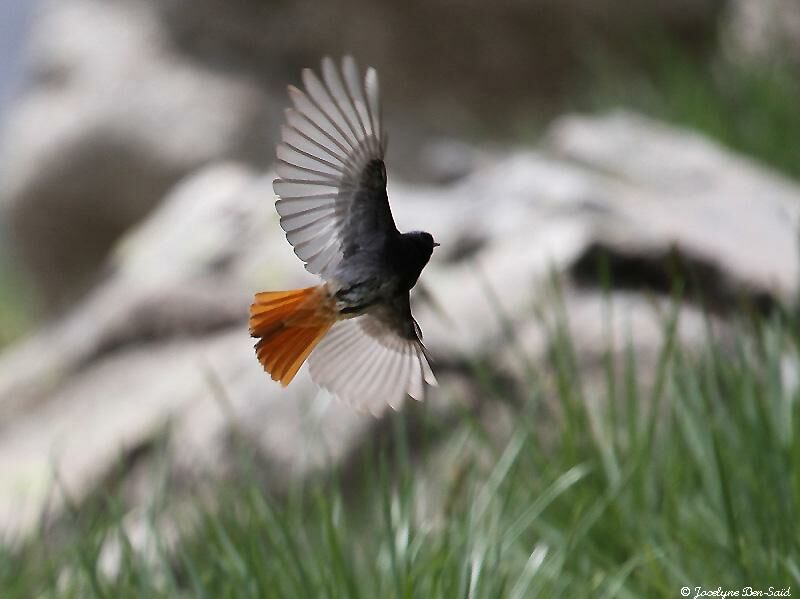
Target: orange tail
288	325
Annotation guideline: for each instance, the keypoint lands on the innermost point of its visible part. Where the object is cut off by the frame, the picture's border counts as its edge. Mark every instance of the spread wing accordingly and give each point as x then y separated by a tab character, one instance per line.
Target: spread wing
369	363
332	180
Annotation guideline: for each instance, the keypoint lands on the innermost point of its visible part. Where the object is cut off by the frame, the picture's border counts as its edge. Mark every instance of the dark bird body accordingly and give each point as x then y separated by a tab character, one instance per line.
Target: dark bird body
356	329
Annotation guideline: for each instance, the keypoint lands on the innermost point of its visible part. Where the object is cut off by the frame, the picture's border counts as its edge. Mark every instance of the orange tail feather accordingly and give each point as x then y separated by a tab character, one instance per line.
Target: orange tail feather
288	325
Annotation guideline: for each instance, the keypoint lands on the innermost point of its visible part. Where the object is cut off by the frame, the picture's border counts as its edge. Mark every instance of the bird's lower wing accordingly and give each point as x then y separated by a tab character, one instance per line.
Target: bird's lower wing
367	364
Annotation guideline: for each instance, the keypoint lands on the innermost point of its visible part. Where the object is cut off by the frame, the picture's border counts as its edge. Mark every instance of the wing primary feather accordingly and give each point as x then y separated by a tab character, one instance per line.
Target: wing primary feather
313	229
340	187
420	374
321	97
377	374
292	190
350	368
302	206
416	388
403	374
304	249
343	102
288	199
289	219
298	219
332	132
368	365
310	108
305	118
357	362
402	379
356	95
427	372
336	333
297	136
372	88
326	370
357	381
318	224
321	369
388	385
289	171
294	155
314	182
359	385
303	245
392	378
321	366
307	107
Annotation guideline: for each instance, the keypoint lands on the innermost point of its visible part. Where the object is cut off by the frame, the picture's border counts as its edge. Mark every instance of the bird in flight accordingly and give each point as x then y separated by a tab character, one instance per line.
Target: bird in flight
355	328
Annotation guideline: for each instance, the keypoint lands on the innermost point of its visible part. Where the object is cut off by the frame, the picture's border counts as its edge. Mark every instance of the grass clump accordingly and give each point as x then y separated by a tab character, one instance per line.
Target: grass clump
750	108
624	491
16	303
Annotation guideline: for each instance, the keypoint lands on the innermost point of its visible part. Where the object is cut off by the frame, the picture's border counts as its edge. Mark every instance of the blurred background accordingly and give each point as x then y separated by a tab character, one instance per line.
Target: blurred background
107	105
636	152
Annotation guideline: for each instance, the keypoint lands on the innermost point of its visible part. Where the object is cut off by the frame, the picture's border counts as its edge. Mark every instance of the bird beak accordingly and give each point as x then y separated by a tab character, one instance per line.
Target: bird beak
436	245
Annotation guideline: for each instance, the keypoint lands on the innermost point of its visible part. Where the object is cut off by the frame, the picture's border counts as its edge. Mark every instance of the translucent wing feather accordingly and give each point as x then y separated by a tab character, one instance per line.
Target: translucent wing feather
331	177
366	363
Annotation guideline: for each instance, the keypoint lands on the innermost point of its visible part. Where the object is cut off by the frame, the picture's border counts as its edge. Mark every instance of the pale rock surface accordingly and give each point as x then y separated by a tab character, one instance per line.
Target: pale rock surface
123	98
162	343
111	117
766	32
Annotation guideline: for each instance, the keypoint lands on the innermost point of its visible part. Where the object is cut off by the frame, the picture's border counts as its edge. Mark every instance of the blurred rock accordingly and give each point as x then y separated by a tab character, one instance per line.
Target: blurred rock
766	32
162	343
170	323
447	68
449	60
111	118
125	97
675	190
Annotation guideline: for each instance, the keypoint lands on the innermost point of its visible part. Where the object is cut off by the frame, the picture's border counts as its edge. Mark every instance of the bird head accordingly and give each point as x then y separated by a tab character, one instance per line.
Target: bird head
423	241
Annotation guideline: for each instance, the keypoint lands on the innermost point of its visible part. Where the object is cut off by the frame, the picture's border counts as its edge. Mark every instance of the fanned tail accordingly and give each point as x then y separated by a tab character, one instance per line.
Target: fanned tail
288	325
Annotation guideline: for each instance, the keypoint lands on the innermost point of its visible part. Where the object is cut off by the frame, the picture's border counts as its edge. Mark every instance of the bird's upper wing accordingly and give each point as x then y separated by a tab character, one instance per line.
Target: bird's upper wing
370	363
332	180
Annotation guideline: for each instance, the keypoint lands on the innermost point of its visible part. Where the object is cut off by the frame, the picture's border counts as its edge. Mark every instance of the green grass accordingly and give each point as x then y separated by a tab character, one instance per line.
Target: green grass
621	491
748	107
16	303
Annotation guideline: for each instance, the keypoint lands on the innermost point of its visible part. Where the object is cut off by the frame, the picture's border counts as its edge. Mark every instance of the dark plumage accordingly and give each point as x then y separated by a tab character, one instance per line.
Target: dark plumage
357	327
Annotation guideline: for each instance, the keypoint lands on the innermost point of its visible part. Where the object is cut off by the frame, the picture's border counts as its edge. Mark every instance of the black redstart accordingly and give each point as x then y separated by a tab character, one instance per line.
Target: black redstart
356	328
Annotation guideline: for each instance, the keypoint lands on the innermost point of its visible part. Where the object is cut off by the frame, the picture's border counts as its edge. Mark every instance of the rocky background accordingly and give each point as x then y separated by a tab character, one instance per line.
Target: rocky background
136	203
